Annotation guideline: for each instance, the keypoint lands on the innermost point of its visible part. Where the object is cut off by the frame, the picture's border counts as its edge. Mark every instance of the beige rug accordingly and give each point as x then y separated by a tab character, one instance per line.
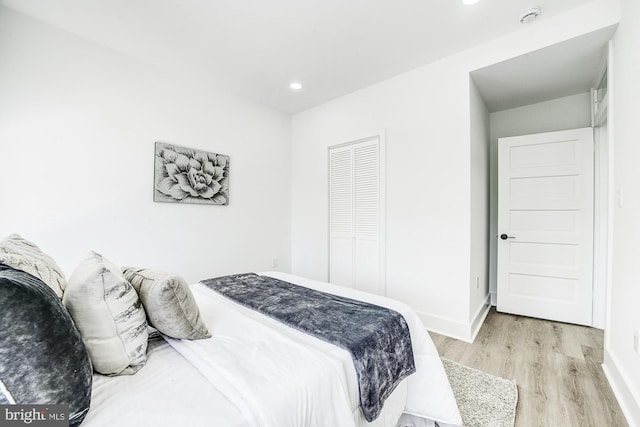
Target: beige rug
484	400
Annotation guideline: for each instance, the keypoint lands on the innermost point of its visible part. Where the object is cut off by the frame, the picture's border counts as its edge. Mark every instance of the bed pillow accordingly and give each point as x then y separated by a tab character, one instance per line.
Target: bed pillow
21	254
109	316
42	358
168	302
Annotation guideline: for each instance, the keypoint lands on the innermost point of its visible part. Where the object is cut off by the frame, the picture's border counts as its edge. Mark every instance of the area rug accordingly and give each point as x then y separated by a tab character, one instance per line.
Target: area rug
484	400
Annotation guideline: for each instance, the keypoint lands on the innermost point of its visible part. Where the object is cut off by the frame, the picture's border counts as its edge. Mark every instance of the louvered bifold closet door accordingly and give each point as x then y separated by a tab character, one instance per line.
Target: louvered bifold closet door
366	182
354	178
341	216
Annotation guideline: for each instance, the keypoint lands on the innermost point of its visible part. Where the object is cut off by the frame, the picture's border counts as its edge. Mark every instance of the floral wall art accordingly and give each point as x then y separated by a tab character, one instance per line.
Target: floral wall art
186	175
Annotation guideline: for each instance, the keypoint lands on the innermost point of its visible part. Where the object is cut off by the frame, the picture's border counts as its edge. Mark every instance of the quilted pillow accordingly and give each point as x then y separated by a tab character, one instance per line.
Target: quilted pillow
42	358
109	316
169	303
21	254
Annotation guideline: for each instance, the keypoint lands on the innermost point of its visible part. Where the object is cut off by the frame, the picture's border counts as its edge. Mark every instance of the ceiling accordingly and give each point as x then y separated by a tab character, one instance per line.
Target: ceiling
564	69
333	47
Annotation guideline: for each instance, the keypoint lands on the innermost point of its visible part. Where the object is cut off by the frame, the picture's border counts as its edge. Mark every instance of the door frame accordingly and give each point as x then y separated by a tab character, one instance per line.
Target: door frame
603	194
601	228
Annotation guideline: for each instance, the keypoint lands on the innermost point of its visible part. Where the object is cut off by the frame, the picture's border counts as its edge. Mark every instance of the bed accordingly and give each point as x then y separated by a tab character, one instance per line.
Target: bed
256	371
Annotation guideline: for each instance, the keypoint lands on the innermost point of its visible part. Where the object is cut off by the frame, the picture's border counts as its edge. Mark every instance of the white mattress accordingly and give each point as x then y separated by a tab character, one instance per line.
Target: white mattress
171	391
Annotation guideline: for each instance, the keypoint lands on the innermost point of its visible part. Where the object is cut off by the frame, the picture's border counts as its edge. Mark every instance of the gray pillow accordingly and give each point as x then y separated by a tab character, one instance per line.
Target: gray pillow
109	316
21	254
42	358
169	303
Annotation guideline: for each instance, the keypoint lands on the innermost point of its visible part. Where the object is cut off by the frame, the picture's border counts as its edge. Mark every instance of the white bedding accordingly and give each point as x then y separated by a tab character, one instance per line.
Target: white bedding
429	393
167	391
255	371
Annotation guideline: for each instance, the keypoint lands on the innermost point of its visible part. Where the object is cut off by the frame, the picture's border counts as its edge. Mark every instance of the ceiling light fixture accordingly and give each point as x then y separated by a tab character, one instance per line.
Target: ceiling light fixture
529	15
295	85
470	2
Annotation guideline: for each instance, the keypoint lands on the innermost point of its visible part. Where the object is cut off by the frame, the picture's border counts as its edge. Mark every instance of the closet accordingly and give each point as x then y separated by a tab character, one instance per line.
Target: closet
356	215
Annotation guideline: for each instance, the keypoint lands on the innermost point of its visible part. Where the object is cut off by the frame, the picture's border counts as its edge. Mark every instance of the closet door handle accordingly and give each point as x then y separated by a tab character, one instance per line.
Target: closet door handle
505	237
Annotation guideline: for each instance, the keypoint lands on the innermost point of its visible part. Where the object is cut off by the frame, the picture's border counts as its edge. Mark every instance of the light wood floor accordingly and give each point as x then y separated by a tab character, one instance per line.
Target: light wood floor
556	366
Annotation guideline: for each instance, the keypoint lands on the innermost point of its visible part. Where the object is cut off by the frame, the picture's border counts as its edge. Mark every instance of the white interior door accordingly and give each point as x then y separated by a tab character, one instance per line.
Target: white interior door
545	225
356	257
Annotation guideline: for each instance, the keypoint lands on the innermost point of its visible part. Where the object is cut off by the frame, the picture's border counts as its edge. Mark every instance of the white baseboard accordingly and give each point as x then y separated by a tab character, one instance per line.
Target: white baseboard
445	326
626	397
479	317
464	331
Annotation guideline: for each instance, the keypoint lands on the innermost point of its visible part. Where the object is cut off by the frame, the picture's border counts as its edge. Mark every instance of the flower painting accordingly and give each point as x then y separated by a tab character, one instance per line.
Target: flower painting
185	175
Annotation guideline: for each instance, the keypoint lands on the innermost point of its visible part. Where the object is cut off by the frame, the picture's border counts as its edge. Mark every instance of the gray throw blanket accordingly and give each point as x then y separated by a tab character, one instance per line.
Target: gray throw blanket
377	338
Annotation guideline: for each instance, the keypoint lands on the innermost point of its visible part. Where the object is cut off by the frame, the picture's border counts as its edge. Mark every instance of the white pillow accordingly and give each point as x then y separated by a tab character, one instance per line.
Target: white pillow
21	254
109	315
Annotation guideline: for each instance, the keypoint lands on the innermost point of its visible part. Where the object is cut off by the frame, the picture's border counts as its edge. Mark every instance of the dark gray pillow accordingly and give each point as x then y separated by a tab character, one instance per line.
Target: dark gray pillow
42	357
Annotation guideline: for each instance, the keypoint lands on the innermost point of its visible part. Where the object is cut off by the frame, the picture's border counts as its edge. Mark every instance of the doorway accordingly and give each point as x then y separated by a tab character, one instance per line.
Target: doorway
544	91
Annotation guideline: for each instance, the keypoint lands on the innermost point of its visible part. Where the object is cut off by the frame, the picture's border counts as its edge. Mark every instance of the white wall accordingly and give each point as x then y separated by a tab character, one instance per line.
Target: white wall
622	363
78	123
426	114
571	112
479	301
424	144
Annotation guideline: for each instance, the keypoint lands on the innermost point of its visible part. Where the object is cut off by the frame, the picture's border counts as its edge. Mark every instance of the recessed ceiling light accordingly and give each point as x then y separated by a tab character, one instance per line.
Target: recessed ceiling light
470	2
295	85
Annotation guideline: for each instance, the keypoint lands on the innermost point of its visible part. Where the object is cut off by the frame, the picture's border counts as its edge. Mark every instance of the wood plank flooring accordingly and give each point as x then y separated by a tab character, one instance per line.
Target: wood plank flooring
556	366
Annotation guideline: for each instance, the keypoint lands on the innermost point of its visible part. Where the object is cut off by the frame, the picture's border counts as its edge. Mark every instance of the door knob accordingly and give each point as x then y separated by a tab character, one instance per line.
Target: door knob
505	237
